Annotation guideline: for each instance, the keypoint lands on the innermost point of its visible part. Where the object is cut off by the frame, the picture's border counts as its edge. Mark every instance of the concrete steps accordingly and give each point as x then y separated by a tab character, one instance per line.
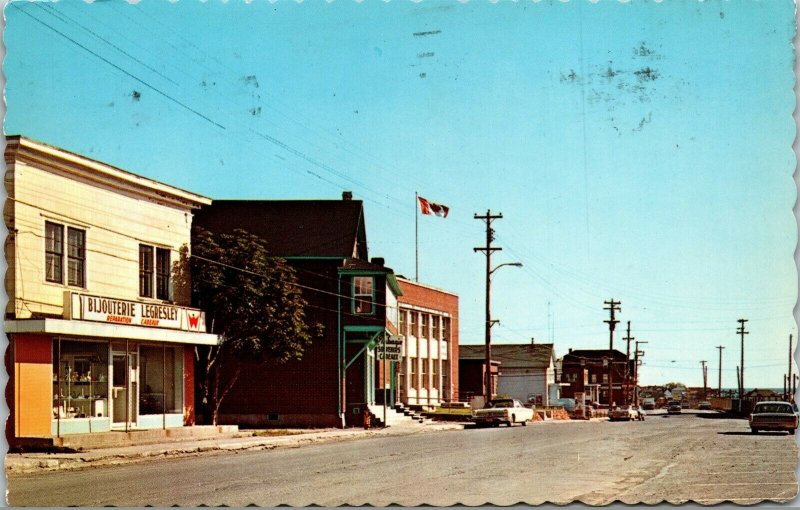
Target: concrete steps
392	416
417	416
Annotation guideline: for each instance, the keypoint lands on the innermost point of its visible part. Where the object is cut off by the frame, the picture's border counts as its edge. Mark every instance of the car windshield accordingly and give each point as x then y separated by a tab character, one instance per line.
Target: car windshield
773	408
502	403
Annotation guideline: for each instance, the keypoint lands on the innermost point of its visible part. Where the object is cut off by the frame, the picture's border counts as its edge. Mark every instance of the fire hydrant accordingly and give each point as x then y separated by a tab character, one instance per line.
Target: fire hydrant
366	418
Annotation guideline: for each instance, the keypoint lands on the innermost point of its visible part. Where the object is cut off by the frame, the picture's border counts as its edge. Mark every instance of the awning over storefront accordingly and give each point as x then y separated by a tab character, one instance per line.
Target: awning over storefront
104	330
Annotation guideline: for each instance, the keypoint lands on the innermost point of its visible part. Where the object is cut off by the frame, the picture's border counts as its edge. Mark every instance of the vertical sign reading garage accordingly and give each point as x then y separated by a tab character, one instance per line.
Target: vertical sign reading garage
119	311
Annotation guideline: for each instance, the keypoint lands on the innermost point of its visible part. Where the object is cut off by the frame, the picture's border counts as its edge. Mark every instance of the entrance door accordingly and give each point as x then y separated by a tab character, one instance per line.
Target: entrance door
369	376
124	389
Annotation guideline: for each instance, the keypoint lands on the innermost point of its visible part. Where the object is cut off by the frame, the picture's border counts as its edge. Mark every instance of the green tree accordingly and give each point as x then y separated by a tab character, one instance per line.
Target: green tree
252	302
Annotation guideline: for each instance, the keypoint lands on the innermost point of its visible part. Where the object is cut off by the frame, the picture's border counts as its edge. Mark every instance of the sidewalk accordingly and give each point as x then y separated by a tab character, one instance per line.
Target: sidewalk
18	463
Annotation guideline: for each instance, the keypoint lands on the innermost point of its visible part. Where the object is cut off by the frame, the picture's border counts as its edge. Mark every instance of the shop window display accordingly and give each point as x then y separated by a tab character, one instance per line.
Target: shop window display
80	380
162	384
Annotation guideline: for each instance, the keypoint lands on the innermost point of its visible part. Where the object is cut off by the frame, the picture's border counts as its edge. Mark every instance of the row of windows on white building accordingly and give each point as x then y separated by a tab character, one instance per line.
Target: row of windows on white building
70	251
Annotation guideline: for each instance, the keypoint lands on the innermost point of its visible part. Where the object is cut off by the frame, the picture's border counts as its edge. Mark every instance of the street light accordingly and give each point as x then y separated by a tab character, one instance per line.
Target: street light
515	264
489	324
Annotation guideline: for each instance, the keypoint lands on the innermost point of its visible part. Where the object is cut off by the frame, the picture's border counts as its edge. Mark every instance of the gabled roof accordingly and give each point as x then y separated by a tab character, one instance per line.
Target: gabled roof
294	228
512	355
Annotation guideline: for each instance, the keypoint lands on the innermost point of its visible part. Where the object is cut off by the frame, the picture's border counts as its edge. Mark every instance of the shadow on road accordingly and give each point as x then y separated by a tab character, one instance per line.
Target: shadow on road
748	433
720	416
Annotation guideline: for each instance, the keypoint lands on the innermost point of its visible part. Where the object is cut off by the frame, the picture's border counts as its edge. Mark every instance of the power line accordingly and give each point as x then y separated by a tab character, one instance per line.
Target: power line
118	68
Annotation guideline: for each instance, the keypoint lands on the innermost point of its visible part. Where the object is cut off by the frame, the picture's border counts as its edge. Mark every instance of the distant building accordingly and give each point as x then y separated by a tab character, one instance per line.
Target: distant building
587	371
427	374
100	334
526	371
472	373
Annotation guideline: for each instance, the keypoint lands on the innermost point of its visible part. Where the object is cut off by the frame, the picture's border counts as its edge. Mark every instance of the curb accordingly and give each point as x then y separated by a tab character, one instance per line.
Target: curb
22	464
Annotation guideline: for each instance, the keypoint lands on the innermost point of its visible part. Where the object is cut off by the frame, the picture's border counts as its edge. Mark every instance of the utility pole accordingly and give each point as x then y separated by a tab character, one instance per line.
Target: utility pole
741	331
789	373
703	363
628	338
613	306
488	250
719	381
636	354
739	382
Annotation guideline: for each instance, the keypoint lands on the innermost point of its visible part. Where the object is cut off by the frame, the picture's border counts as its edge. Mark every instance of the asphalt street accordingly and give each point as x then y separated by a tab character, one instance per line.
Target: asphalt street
692	457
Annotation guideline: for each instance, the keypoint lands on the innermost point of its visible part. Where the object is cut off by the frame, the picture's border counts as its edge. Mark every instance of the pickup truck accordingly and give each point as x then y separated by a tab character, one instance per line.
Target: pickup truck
508	411
773	416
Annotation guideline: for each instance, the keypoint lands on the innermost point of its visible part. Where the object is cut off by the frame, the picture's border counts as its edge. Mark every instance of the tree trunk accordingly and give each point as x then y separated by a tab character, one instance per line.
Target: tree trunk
219	398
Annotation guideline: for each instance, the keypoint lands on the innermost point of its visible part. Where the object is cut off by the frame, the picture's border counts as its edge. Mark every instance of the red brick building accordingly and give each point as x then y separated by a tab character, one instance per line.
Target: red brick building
587	371
427	374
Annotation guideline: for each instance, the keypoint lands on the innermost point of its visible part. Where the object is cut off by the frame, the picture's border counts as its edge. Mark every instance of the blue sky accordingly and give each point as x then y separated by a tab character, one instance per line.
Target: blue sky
639	151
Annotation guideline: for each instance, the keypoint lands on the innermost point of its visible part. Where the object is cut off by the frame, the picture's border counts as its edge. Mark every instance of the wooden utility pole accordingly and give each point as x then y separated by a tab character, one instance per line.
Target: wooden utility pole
628	338
719	381
613	306
741	331
789	373
636	362
488	250
739	382
705	382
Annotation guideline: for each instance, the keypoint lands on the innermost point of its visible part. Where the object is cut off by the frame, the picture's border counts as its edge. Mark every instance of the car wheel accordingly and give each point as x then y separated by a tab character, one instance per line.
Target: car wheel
495	424
754	431
525	423
791	432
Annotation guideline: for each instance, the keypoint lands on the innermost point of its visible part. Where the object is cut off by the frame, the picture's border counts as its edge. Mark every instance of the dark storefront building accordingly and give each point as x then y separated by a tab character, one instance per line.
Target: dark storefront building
352	297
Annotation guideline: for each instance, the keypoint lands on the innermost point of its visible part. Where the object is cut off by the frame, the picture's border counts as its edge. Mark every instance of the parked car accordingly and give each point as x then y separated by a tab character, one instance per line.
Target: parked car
505	410
649	404
773	416
624	413
704	405
674	408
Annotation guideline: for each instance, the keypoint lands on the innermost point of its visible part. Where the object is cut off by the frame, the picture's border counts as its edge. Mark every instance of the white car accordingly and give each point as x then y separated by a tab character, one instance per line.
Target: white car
624	413
504	410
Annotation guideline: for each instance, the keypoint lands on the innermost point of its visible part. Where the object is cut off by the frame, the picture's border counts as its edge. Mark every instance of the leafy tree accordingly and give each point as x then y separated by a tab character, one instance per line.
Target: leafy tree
251	301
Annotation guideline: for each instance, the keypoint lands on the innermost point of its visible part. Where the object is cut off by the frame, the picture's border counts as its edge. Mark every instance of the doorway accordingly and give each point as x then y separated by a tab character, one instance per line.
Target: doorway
124	389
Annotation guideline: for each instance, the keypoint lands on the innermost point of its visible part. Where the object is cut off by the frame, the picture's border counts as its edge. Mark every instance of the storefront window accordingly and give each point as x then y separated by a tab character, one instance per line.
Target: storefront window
80	380
161	372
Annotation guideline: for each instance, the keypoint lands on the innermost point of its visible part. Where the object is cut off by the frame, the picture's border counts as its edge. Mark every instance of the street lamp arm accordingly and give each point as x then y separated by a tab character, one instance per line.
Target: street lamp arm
515	264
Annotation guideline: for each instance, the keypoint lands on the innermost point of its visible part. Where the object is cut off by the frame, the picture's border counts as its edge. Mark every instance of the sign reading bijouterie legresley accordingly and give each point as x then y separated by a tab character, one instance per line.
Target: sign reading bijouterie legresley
105	309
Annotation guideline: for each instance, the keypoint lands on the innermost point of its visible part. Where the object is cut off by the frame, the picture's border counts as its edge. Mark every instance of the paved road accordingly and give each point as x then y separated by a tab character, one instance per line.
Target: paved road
665	458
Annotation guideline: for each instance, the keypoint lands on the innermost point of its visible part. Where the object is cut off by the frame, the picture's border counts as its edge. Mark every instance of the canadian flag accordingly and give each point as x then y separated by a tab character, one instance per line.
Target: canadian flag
430	208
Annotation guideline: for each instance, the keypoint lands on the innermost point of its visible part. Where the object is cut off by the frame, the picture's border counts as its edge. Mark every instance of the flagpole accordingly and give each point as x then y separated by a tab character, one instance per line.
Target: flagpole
416	237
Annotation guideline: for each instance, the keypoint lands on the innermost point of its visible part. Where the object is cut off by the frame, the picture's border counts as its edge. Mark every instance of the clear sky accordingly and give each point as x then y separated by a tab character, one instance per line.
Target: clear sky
639	151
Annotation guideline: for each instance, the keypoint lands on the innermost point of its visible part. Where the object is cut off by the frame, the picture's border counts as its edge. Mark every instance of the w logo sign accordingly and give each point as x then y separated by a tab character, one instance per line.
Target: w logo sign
194	319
